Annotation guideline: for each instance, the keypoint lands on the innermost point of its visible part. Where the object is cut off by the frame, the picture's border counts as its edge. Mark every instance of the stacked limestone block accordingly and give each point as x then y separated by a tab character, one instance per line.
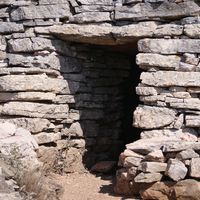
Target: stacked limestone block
168	151
60	92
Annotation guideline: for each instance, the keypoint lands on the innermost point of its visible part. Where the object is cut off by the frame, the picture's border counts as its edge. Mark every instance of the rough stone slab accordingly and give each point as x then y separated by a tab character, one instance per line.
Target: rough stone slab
51	2
192	30
49	111
193	104
27	45
176	170
152	167
6	2
168	30
187	154
147	91
4	13
95	8
45	138
32	83
147	60
148	177
34	125
104	34
94	2
144	11
3	43
171	78
132	161
90	17
41	12
192	121
32	70
155	156
27	96
148	117
10	27
187	134
169	46
195	168
166	144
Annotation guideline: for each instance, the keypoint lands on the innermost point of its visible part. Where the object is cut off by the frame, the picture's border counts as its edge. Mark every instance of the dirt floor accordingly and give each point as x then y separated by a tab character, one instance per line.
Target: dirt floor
88	187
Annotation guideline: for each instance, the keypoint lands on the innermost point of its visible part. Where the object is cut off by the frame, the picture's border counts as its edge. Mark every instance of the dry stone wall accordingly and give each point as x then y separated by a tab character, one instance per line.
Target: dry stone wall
62	91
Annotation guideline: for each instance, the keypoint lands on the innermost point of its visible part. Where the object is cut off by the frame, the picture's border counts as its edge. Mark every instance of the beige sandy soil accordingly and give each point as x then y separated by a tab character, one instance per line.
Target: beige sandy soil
88	187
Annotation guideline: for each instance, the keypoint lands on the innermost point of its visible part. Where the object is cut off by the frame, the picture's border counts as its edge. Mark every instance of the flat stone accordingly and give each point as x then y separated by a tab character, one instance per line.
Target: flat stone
155	156
185	134
176	170
104	34
172	46
171	78
192	120
148	11
192	30
10	27
187	154
90	17
34	125
45	138
166	144
147	117
94	2
27	96
195	168
132	162
27	109
148	60
148	177
152	167
32	83
41	12
74	130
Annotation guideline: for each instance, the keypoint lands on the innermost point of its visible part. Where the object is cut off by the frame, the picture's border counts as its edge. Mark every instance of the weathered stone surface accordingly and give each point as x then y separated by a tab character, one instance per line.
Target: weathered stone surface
155	156
192	30
27	96
168	30
187	154
7	130
34	125
95	8
152	167
104	34
158	191
187	189
171	78
143	11
41	12
148	177
35	110
93	2
90	17
145	146
192	120
165	46
176	170
147	91
195	168
32	83
147	60
10	27
147	117
132	161
45	138
185	134
28	45
18	150
74	130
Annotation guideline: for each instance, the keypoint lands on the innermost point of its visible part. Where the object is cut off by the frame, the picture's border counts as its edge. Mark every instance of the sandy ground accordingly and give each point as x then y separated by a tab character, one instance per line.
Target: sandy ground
88	187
